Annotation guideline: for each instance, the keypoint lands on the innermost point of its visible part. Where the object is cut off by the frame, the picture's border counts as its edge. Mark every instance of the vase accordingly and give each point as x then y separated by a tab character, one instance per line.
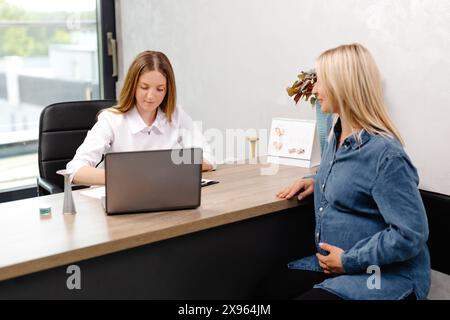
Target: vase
68	205
321	120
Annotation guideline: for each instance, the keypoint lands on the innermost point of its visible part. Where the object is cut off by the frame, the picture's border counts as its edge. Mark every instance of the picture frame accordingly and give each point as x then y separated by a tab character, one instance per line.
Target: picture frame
294	142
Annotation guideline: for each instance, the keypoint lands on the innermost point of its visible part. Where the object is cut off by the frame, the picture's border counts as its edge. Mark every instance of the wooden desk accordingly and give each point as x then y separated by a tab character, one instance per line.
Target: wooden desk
31	244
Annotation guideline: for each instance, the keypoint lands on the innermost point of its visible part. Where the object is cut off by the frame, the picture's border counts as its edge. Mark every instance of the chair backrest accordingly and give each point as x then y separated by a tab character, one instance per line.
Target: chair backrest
438	207
62	128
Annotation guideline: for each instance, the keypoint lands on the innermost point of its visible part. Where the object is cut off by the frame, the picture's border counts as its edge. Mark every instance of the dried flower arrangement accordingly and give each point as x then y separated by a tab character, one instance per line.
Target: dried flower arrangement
303	86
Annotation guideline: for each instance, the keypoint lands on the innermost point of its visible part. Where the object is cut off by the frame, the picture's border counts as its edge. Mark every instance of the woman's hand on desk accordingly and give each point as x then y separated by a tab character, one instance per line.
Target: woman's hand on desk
206	166
306	184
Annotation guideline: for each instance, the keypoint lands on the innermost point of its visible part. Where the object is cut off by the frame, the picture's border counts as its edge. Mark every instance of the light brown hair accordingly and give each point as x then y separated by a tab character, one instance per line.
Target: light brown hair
144	62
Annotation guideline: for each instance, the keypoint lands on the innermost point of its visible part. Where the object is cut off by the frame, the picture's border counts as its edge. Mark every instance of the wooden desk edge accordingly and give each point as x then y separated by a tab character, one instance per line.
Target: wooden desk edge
73	256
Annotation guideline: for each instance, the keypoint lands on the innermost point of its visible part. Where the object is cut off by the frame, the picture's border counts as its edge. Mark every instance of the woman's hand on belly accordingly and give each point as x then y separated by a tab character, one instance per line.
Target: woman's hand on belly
331	263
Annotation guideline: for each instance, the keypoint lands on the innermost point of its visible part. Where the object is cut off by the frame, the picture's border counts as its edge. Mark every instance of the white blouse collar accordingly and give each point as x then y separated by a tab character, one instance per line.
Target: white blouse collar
137	124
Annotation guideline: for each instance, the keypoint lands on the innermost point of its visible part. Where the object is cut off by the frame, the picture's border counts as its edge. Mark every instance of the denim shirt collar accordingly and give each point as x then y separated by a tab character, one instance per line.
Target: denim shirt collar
351	140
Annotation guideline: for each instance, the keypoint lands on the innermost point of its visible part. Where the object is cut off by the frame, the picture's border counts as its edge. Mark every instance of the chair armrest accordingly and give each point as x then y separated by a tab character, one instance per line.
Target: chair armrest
48	186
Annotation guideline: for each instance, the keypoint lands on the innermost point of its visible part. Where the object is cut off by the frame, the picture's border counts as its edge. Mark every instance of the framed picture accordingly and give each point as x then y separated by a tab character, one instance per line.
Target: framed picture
294	142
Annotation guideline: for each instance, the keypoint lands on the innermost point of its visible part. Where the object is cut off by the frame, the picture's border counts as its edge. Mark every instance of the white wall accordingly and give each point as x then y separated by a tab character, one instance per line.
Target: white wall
234	58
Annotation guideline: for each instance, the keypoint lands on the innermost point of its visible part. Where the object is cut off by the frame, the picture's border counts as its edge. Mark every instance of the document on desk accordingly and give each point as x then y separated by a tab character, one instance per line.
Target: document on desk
94	192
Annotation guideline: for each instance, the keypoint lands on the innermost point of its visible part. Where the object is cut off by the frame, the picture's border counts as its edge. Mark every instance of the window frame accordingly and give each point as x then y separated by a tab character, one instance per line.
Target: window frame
106	23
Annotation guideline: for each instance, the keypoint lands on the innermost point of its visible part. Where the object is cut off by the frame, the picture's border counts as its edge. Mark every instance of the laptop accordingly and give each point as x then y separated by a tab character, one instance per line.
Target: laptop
157	180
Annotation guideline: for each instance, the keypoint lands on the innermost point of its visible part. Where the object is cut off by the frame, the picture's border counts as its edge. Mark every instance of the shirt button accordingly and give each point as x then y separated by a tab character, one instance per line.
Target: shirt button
317	236
323	186
320	209
331	163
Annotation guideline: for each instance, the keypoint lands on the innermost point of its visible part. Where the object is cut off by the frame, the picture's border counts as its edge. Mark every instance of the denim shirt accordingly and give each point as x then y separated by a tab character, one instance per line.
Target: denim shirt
367	203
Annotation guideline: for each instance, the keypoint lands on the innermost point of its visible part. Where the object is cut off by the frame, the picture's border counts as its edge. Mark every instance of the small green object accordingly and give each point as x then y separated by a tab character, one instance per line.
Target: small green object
45	211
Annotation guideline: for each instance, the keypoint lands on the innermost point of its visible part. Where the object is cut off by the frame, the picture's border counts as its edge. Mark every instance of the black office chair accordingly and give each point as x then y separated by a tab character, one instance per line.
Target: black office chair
62	128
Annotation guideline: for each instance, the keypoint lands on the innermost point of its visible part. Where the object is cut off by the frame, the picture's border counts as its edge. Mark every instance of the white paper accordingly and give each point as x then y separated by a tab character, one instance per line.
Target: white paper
94	192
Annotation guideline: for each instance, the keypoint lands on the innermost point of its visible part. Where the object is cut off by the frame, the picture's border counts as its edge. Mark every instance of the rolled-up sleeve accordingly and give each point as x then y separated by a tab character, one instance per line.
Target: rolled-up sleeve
90	152
396	194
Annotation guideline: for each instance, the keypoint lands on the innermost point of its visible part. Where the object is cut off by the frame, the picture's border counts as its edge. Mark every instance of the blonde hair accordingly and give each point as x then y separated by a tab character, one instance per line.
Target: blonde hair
144	62
350	78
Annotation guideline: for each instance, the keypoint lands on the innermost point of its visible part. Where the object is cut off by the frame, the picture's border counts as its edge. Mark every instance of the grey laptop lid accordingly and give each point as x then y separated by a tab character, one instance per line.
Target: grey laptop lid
157	180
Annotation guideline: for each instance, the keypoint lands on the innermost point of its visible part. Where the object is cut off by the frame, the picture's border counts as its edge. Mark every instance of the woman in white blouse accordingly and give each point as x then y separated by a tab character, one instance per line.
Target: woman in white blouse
145	118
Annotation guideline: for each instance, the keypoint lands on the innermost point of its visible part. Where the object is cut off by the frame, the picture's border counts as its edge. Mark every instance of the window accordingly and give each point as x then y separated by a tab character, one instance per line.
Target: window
50	51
